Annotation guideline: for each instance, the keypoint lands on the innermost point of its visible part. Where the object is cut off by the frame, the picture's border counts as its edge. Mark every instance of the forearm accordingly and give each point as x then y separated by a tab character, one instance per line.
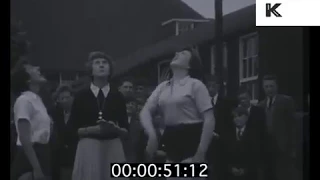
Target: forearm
29	150
207	129
146	122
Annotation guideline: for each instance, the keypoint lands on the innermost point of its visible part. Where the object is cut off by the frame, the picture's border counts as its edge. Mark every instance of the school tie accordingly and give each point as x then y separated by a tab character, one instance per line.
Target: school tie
100	98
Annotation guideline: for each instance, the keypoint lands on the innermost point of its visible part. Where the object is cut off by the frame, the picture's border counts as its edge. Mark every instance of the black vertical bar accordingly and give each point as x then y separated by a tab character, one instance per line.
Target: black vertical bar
219	44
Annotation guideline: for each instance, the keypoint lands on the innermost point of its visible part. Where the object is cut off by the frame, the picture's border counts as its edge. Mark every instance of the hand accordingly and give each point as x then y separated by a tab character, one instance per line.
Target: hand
152	147
235	171
38	174
215	135
82	131
101	121
241	171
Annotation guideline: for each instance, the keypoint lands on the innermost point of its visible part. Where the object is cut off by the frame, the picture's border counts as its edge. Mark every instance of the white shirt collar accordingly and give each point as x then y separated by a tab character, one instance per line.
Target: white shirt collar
129	119
95	90
249	109
215	99
273	99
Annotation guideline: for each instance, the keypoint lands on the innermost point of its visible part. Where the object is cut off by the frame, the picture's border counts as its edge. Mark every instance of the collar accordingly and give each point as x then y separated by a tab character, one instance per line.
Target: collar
182	81
273	99
95	90
31	94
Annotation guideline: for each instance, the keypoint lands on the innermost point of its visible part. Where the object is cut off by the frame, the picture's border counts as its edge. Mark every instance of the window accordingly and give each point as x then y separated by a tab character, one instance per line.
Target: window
249	63
182	27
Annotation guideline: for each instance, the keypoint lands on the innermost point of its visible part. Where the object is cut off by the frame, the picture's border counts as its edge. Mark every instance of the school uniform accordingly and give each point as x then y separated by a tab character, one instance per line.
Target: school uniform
94	153
243	147
136	140
29	106
181	105
63	156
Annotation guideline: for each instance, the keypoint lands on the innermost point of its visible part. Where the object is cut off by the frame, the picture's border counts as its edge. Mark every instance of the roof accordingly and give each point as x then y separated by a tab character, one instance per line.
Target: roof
237	21
62	32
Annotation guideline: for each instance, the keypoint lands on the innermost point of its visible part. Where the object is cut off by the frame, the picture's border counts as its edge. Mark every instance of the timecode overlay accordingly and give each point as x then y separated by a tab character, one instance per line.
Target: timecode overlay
159	170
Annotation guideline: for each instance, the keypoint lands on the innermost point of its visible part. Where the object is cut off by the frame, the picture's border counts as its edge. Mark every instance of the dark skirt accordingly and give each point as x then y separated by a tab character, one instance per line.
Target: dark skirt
21	164
181	141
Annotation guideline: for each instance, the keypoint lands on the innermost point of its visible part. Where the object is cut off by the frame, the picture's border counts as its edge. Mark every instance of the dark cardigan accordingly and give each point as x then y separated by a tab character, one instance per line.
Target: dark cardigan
85	110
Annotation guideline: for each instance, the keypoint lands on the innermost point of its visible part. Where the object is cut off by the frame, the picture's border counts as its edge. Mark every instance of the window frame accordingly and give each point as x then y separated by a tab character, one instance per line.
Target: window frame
241	58
179	31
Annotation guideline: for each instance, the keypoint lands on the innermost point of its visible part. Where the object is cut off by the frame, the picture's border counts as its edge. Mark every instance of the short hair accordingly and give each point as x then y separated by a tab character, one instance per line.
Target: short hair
20	81
244	89
240	111
62	88
97	55
270	77
125	79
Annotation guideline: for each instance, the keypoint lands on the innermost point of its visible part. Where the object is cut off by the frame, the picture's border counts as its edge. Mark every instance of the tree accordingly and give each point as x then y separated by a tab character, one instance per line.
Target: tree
18	43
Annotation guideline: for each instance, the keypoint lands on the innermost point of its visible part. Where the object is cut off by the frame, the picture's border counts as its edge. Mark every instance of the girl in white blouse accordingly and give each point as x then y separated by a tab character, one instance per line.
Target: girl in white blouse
33	125
184	103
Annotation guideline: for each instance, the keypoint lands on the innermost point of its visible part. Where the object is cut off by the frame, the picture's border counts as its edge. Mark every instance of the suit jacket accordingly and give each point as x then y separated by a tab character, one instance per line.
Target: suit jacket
135	142
222	113
248	151
283	135
61	148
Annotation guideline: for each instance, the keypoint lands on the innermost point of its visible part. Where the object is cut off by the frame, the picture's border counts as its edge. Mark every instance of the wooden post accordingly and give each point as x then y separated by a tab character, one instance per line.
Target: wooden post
219	44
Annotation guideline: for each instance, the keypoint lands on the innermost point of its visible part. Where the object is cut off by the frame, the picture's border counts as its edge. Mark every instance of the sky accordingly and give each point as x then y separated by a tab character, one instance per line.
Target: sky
206	7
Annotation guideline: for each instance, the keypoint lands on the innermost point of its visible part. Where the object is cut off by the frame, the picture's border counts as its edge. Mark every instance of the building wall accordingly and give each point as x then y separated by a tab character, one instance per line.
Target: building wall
281	50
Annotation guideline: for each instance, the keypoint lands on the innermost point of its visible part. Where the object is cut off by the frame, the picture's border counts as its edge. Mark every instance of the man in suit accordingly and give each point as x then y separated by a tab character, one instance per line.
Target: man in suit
242	146
63	154
222	113
281	130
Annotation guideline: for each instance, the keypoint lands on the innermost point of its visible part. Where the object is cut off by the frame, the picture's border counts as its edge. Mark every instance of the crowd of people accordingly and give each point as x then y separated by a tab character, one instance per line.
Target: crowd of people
184	119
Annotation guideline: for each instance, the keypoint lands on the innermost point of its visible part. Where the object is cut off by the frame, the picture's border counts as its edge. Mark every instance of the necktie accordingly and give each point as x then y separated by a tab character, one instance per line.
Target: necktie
270	102
100	98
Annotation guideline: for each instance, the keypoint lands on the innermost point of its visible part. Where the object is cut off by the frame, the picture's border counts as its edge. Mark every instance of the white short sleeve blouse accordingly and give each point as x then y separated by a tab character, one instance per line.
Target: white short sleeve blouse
182	102
29	106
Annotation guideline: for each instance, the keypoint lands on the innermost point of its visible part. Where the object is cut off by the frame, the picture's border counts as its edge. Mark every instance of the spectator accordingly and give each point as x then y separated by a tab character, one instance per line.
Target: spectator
136	140
241	147
281	129
126	87
222	113
63	155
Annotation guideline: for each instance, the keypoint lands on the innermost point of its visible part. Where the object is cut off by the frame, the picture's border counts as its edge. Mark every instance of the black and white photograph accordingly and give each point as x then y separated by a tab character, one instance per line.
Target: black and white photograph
156	89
